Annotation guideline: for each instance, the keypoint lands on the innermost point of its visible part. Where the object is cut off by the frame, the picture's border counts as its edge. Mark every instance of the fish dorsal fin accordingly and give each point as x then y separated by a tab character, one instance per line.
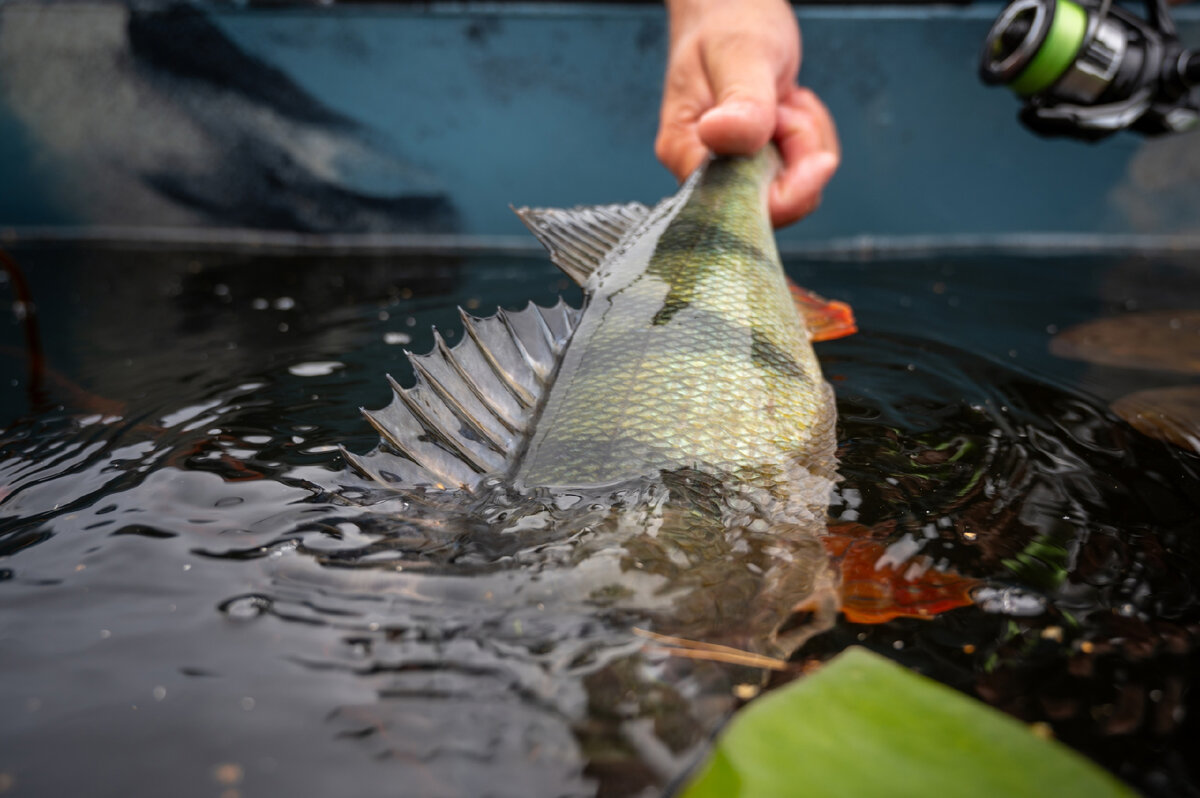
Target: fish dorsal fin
472	406
826	319
580	239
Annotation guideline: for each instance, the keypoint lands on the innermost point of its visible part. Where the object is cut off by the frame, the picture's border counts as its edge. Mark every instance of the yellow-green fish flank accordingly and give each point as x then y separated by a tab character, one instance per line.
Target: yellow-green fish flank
676	429
690	353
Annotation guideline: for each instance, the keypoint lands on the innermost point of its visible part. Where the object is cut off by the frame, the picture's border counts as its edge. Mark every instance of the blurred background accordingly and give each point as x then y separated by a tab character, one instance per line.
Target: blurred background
401	120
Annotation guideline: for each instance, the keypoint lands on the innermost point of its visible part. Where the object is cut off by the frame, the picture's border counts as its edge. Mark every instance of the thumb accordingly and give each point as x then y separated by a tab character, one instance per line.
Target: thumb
744	87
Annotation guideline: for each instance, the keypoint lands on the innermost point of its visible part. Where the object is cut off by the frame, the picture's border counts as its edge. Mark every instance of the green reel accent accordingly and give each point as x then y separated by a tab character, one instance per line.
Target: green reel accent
1057	52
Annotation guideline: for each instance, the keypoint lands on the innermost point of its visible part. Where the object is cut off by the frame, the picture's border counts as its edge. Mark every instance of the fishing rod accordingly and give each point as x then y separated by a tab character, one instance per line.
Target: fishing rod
1089	68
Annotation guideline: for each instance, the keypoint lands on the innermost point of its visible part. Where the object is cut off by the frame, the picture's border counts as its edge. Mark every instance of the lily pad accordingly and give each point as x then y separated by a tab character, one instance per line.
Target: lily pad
863	725
1169	414
1160	340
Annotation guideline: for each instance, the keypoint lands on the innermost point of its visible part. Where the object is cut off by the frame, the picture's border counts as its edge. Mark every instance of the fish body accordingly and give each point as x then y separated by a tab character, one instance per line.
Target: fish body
656	463
690	352
684	399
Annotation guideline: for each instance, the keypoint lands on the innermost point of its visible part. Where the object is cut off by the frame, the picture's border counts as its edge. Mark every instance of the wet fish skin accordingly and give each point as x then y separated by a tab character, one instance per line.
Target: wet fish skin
690	352
691	363
684	398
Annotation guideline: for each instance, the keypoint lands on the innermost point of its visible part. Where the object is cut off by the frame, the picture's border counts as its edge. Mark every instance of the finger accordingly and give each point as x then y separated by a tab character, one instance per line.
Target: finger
679	148
685	96
802	99
797	191
744	85
808	143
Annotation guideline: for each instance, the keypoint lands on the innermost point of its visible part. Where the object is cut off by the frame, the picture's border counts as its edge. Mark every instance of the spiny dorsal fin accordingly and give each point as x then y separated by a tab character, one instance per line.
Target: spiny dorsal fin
472	406
579	239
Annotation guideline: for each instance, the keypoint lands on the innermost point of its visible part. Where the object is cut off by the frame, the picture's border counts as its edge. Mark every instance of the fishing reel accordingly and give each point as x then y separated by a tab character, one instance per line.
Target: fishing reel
1088	68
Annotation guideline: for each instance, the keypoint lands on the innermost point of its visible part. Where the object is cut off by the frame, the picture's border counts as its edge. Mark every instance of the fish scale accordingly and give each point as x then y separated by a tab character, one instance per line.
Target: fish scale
667	369
683	403
661	459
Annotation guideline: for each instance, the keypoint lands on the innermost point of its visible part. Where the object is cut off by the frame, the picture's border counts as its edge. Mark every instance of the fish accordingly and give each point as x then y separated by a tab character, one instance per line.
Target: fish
677	428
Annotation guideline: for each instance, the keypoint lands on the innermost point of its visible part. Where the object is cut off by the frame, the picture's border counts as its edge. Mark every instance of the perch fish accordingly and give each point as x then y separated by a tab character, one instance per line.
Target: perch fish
682	412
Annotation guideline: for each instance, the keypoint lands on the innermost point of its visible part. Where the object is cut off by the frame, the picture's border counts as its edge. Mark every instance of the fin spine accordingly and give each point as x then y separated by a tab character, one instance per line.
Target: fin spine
472	407
580	239
409	452
446	352
430	424
517	391
453	404
523	347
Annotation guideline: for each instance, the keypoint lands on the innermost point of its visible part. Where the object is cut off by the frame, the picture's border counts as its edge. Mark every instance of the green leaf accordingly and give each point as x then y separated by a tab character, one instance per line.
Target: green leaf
864	726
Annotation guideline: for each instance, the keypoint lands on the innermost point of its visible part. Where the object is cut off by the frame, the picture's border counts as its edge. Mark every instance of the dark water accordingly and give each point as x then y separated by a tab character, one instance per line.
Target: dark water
182	612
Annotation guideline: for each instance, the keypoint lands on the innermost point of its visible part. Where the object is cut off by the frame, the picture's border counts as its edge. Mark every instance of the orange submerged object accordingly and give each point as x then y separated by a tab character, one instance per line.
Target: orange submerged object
875	590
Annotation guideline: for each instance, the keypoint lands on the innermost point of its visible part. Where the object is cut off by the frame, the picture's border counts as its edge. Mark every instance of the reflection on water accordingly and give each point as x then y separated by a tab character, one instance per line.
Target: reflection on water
181	606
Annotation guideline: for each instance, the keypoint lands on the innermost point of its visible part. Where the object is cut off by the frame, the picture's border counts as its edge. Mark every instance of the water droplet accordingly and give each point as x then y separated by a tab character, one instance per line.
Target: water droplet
245	607
397	338
105	634
259	304
159	693
285	303
247	703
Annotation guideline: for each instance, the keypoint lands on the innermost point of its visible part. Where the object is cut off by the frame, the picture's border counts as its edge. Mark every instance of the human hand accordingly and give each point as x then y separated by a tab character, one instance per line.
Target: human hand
731	88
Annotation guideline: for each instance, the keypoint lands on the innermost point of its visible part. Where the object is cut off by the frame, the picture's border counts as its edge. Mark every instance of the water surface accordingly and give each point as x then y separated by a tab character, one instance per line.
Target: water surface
187	604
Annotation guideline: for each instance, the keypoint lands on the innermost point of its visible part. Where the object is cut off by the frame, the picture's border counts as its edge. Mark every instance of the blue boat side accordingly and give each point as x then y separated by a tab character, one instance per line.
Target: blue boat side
403	120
